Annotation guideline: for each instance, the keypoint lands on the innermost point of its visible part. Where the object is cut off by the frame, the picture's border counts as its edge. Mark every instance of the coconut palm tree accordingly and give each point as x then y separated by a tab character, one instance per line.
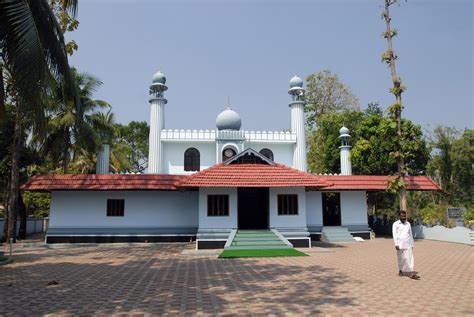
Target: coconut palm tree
70	125
33	55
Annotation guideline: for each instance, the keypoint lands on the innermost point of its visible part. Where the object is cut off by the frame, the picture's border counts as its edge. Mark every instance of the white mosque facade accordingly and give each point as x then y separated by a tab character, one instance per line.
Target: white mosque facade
206	184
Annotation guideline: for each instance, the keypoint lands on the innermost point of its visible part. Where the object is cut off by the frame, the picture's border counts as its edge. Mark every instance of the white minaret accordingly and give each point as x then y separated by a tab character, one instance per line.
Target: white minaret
346	165
297	122
157	123
102	166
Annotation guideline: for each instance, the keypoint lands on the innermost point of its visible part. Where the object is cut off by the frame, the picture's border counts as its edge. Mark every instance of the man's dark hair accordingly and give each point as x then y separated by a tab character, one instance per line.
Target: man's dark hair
402	212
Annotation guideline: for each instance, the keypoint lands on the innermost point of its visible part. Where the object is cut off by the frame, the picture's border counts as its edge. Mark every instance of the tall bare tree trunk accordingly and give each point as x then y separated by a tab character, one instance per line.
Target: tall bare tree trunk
6	200
2	91
397	90
12	210
23	217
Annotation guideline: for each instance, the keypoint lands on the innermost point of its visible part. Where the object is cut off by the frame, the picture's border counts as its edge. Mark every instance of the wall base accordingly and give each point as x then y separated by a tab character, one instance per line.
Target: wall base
210	244
118	239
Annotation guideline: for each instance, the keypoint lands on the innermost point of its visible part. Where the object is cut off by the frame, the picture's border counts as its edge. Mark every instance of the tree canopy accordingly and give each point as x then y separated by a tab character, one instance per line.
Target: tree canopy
372	143
326	94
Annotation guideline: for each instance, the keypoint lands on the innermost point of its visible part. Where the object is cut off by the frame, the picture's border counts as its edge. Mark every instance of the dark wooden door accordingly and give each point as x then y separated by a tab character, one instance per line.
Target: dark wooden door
253	208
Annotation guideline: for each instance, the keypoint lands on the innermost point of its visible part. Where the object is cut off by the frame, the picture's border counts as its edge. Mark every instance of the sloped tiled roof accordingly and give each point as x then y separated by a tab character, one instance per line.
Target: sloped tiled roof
376	182
234	175
102	182
252	175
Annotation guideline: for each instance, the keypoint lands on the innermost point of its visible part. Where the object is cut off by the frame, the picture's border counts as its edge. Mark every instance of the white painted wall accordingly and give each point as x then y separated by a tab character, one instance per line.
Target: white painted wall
353	208
174	155
314	209
219	222
282	152
441	233
287	221
88	209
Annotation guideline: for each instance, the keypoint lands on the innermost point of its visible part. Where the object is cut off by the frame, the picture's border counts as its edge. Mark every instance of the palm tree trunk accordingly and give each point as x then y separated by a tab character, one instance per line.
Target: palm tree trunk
2	92
65	153
12	211
6	201
23	217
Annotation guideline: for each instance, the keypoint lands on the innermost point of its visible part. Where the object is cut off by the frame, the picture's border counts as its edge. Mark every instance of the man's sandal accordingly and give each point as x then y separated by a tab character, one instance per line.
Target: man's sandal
414	276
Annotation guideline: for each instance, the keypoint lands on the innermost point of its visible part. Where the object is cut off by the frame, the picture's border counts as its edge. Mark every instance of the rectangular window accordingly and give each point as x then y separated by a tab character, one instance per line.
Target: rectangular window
287	205
115	207
217	205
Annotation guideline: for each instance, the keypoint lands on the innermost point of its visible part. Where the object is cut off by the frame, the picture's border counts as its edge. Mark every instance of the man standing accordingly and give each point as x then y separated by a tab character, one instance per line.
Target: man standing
403	239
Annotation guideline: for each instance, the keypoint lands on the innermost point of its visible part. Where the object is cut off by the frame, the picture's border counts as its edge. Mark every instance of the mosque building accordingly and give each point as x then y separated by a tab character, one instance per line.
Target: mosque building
208	185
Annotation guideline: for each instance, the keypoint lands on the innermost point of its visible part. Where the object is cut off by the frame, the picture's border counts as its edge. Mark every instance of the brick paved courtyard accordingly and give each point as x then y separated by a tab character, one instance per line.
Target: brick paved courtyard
354	279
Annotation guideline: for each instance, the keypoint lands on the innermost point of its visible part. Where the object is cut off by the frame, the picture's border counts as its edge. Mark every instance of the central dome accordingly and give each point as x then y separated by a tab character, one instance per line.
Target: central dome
228	120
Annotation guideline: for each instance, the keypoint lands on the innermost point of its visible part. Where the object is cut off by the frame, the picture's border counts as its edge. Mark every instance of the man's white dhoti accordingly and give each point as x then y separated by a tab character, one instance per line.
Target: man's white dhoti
403	239
406	262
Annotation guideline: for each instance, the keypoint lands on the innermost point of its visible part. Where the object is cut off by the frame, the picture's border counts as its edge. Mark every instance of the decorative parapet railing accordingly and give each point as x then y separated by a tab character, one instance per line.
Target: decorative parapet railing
253	136
212	135
188	135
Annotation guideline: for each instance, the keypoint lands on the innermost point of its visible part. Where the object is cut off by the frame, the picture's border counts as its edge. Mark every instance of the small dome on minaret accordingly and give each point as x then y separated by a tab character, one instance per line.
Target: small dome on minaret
344	131
228	120
296	82
159	78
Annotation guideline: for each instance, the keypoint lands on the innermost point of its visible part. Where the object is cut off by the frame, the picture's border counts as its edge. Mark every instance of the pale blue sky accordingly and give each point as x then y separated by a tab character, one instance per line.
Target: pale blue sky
249	50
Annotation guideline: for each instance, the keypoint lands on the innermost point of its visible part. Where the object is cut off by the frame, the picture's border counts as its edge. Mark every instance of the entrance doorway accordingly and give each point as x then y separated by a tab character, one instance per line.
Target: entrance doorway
331	209
253	208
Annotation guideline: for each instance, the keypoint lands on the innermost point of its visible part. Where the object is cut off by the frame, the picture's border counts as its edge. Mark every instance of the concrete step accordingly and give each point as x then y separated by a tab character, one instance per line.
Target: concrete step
256	239
336	234
261	236
256	247
258	243
240	238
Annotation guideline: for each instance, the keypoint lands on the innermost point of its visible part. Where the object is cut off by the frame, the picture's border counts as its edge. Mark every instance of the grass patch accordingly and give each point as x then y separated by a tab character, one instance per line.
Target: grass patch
227	254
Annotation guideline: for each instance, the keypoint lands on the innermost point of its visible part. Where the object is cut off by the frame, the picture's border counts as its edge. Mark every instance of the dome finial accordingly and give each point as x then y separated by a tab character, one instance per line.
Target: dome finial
159	78
344	131
296	81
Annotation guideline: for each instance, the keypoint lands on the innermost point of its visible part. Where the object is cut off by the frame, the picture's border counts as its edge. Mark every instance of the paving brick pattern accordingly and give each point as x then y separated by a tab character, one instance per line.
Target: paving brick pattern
356	279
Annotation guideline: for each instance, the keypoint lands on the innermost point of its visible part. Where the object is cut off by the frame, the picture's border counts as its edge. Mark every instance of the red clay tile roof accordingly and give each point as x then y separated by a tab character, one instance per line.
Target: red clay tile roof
234	175
102	182
372	182
252	175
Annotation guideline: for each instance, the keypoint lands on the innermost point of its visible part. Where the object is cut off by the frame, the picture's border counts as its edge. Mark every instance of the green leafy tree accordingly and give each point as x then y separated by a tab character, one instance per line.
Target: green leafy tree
451	164
325	94
462	160
133	139
67	21
372	150
37	204
372	143
323	143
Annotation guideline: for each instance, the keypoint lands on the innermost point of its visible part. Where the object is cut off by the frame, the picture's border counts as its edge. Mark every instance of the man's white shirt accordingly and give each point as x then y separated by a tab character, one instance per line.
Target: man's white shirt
402	235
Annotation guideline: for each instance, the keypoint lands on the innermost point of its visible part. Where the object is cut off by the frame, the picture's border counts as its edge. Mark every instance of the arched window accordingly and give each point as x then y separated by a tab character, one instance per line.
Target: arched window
192	160
267	153
227	154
